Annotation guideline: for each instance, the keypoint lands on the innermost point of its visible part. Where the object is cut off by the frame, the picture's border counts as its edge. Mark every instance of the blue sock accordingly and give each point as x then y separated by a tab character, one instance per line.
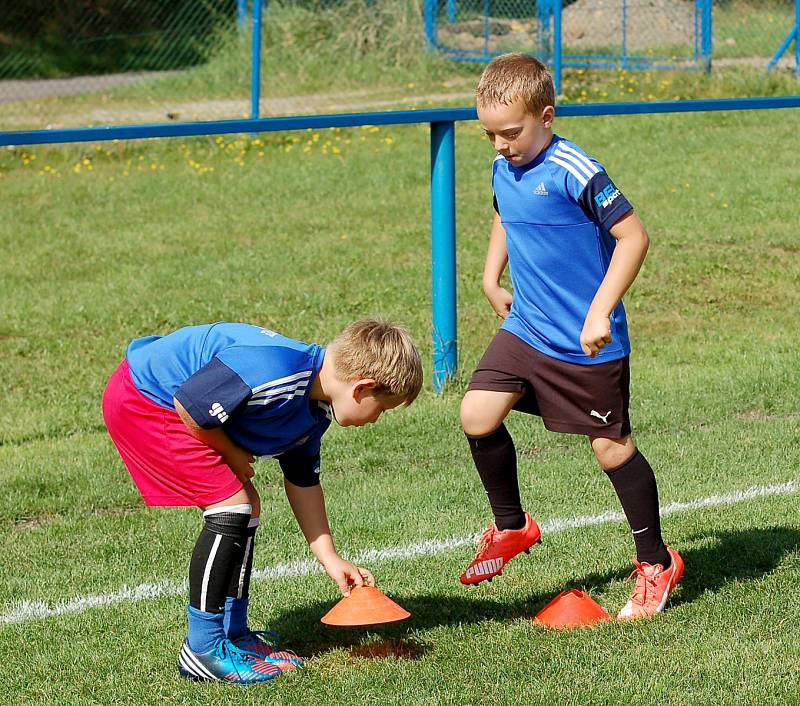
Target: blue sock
235	617
205	629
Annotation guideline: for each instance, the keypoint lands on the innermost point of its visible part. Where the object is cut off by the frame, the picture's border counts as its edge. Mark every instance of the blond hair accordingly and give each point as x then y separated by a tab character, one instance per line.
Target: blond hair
383	351
511	77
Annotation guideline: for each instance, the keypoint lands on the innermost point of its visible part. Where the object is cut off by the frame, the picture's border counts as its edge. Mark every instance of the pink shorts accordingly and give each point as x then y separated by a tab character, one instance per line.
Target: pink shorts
168	464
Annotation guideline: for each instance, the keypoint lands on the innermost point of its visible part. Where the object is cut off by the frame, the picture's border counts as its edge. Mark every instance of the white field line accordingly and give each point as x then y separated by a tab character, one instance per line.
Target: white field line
31	610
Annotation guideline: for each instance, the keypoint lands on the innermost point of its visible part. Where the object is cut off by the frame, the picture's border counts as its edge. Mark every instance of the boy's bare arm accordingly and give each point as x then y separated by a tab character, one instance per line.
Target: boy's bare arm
236	457
496	261
308	506
629	254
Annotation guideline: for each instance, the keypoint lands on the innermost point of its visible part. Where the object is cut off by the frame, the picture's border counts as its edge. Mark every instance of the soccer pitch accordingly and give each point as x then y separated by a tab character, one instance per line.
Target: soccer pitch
303	233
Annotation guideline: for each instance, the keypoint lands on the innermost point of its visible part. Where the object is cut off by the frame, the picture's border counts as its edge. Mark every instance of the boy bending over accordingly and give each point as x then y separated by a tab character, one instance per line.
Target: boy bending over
188	413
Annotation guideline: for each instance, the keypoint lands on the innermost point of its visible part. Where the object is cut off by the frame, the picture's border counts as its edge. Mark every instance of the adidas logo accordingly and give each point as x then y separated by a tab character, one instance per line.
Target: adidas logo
482	568
218	411
540	190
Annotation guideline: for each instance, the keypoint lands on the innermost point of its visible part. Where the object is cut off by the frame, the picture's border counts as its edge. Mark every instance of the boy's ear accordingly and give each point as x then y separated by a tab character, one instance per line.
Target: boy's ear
548	114
362	387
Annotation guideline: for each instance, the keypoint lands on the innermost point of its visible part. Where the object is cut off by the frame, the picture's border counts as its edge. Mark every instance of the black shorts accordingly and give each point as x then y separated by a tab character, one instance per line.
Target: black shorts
576	399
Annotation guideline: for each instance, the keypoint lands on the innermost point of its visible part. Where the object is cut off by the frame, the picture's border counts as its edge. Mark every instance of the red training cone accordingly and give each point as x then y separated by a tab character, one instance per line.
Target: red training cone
571	609
365	605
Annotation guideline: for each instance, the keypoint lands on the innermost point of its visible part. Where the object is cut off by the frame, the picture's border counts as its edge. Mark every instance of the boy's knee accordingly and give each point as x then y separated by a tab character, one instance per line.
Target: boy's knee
474	419
612	453
254	499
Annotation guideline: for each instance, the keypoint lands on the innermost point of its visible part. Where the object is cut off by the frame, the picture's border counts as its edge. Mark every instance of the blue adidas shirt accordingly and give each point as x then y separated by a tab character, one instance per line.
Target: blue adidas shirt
556	212
252	380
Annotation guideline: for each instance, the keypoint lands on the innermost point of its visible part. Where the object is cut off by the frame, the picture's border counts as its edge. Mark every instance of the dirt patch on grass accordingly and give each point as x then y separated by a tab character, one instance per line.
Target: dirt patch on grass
646	24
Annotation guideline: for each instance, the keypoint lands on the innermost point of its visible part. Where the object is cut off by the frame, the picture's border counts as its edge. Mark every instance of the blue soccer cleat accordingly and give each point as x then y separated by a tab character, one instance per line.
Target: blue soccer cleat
225	662
264	645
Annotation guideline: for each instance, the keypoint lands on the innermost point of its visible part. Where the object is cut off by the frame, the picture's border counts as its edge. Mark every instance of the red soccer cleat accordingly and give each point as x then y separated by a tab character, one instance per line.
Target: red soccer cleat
653	585
497	548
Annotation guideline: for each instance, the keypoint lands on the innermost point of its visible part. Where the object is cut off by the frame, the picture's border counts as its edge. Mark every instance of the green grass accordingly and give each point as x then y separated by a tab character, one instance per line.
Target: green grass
743	28
285	232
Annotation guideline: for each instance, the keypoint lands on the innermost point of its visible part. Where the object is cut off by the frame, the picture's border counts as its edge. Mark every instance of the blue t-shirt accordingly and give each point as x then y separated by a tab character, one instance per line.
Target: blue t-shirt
252	380
556	212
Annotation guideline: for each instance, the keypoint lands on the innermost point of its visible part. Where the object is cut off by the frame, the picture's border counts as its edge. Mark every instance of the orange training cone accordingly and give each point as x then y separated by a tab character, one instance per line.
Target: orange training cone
365	605
571	609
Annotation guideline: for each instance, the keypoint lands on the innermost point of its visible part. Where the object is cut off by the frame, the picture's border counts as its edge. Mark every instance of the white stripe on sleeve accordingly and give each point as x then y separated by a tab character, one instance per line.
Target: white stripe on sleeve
593	169
280	381
575	161
571	170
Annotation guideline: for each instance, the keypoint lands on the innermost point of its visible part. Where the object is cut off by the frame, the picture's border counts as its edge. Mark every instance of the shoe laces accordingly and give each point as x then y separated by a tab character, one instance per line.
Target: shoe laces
646	576
486	539
226	649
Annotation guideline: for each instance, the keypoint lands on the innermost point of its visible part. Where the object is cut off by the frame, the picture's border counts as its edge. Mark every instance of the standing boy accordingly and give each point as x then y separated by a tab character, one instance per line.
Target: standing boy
188	413
573	245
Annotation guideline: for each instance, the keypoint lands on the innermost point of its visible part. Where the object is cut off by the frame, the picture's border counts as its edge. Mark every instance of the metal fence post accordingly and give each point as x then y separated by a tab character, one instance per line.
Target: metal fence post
486	29
625	34
706	35
443	252
430	22
451	11
557	45
797	38
255	70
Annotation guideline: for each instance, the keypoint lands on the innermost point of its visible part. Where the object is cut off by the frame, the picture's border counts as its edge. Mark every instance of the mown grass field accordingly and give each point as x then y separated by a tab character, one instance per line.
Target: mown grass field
305	232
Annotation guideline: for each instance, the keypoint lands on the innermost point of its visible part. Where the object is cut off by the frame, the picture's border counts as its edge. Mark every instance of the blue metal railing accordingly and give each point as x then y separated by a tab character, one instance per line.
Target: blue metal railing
442	122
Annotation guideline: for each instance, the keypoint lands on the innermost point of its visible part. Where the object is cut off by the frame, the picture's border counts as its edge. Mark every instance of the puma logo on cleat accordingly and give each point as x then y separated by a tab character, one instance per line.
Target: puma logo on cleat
604	417
488	566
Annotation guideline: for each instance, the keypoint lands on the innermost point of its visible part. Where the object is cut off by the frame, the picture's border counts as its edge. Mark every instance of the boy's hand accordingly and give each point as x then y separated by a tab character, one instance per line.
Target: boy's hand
500	299
241	462
348	575
596	334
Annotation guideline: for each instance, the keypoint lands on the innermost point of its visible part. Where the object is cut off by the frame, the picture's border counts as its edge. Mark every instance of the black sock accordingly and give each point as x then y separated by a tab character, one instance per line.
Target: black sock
496	460
636	488
240	576
219	549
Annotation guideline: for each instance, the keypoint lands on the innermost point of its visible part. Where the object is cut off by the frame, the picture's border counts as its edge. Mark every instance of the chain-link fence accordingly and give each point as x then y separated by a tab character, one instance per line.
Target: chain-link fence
627	33
103	62
85	63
